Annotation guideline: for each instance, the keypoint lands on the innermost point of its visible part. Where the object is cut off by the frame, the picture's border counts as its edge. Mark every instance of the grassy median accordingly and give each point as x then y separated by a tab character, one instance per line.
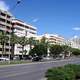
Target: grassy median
14	62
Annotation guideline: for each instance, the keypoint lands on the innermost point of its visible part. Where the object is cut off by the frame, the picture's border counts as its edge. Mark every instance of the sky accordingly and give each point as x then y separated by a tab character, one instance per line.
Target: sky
49	16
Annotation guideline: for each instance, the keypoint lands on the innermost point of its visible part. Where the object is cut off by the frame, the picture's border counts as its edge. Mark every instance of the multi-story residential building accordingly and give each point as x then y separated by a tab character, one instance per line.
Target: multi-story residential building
5	27
74	42
23	29
52	38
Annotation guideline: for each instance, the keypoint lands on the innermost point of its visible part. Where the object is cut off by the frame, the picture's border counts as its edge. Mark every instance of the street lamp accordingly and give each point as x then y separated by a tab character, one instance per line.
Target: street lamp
18	2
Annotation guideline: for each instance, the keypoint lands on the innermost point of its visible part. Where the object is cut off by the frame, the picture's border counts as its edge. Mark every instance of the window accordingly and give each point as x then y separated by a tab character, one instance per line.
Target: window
3	14
8	16
0	49
3	20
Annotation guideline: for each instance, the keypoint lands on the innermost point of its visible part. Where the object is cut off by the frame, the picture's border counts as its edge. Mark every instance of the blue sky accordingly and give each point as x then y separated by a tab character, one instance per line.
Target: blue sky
49	16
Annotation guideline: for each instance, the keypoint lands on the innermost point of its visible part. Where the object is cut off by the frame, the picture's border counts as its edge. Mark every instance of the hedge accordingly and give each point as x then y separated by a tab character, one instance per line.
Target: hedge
67	72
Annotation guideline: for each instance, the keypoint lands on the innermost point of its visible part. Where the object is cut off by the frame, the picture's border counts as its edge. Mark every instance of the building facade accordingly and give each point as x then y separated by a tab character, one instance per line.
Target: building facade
22	29
74	42
52	38
5	27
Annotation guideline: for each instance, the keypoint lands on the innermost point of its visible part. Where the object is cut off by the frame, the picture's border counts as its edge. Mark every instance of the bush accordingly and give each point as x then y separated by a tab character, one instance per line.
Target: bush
68	72
75	52
76	69
60	74
55	74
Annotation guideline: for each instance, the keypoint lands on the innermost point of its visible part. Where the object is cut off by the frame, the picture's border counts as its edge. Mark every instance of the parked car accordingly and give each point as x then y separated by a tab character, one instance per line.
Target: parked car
16	58
37	58
47	58
4	59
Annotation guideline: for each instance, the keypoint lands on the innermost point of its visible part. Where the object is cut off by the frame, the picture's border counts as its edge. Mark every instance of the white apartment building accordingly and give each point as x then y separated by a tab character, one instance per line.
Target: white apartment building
5	27
23	29
74	42
53	38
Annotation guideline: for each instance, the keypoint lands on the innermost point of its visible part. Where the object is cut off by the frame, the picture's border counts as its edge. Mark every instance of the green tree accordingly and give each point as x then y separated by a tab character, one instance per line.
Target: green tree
66	49
13	40
55	50
23	41
32	42
39	50
43	40
3	40
46	44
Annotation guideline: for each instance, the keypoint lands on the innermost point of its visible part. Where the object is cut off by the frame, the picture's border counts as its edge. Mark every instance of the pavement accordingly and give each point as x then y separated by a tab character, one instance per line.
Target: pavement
32	71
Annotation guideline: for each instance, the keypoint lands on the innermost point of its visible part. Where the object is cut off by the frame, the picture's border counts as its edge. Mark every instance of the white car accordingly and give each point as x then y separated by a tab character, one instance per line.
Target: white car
4	59
47	58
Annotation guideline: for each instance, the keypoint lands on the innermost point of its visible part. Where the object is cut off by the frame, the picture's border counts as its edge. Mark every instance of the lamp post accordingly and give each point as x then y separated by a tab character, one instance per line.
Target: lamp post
18	2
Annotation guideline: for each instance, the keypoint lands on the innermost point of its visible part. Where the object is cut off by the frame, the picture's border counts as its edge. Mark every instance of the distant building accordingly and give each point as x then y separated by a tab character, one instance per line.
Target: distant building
52	38
75	42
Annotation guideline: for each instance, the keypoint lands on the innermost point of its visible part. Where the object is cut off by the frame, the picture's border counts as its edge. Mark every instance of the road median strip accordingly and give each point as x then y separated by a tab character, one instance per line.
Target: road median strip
29	63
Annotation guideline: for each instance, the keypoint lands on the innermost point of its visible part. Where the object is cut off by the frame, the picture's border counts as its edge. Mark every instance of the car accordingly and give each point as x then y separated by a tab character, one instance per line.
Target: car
16	58
4	59
47	58
37	58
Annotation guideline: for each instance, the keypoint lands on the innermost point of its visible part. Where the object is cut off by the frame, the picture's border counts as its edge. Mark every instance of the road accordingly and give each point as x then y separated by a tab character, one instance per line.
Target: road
31	71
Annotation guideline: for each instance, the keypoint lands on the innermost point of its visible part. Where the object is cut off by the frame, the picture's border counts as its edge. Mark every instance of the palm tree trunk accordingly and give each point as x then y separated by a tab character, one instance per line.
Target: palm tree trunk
2	49
30	46
22	51
12	51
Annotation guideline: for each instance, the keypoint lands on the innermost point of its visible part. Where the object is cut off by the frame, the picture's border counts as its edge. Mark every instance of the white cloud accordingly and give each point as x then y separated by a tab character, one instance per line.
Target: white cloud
76	28
35	20
3	5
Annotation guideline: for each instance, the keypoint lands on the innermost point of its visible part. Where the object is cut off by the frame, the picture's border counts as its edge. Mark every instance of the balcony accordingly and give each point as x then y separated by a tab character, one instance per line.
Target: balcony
0	52
0	46
7	47
8	52
8	25
2	28
5	24
3	17
33	31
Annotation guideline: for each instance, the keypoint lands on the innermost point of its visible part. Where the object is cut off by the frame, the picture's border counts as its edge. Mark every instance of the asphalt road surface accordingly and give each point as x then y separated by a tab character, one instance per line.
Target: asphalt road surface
31	71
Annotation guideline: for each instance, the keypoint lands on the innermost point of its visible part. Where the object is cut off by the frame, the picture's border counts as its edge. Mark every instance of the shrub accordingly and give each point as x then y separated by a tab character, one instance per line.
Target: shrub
75	52
76	69
60	74
67	72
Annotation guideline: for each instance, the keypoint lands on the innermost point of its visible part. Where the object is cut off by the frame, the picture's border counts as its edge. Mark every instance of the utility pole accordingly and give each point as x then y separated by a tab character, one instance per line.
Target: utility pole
17	3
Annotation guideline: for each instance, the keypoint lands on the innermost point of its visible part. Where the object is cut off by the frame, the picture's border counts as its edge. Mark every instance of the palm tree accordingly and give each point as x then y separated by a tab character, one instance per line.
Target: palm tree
13	40
3	40
32	42
45	42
